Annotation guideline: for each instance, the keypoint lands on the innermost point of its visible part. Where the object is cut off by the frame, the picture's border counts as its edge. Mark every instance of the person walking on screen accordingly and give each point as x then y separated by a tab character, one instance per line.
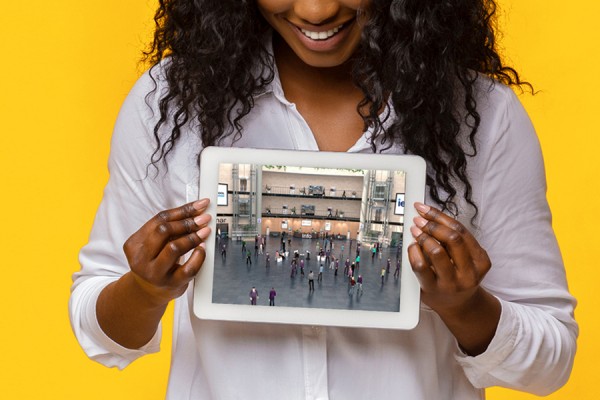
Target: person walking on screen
311	281
352	284
397	270
223	251
272	295
253	296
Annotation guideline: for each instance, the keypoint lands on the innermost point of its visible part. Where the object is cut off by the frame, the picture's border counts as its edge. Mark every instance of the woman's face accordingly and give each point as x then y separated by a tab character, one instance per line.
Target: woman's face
322	33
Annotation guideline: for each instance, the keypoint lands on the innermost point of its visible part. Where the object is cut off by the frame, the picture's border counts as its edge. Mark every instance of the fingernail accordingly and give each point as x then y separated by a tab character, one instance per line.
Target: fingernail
203	233
422	208
202	219
203	245
200	204
416	232
420	222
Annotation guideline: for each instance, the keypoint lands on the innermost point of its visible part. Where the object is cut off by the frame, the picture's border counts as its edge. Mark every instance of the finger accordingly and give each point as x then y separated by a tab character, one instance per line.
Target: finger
175	221
433	214
170	231
174	249
421	267
450	239
188	210
434	252
170	224
191	267
462	246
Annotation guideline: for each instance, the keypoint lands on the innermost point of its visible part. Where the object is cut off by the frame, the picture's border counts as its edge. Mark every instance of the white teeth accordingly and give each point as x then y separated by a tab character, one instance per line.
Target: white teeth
321	35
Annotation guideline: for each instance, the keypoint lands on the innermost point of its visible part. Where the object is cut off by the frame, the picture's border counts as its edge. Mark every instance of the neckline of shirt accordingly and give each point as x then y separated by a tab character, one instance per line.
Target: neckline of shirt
275	88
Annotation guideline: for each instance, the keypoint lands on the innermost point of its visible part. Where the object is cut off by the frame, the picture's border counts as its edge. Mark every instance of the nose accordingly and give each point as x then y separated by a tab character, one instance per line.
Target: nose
316	12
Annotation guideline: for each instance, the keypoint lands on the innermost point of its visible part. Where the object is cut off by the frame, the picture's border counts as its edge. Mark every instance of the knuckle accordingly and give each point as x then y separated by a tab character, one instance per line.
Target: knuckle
436	251
455	238
484	256
418	264
174	248
188	210
194	239
128	246
458	227
433	213
163	229
422	239
484	261
431	227
193	268
162	216
189	225
133	252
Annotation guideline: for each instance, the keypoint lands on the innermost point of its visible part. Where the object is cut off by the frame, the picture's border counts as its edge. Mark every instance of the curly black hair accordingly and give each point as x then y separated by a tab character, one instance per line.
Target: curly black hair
424	56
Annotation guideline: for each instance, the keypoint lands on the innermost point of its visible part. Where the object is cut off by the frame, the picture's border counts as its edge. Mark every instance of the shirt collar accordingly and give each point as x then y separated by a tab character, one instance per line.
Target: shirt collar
274	86
364	142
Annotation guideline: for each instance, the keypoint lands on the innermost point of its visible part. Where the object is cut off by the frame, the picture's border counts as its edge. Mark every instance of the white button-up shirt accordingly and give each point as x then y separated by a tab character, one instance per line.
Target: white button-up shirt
535	341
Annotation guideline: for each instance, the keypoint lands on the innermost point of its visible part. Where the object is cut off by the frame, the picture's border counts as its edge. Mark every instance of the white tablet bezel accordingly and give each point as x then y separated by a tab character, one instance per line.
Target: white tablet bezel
408	315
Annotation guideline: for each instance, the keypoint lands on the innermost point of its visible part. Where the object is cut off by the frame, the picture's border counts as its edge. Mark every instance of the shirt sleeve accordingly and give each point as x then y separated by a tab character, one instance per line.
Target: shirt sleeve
131	197
535	342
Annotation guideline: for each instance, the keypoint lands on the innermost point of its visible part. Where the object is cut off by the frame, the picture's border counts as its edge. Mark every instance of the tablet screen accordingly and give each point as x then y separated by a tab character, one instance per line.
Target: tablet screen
279	227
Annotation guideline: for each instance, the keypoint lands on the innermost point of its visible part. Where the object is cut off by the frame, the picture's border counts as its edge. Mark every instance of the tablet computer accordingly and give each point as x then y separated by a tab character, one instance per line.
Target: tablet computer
311	238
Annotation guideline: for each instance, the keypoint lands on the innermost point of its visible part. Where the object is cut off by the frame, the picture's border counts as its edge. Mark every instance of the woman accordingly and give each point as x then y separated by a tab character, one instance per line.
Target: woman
402	76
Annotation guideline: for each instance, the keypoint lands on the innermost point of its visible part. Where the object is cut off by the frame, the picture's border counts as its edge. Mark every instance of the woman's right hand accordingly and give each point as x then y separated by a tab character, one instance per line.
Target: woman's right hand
153	252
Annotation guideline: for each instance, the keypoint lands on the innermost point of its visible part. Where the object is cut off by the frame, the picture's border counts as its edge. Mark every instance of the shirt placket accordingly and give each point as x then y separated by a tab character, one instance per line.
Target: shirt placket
302	136
314	351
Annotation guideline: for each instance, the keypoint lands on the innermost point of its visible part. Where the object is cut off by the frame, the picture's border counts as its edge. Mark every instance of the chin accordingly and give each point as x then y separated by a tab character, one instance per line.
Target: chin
322	61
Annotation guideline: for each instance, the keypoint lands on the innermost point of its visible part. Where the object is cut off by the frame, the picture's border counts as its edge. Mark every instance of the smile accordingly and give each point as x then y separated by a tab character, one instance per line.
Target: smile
322	35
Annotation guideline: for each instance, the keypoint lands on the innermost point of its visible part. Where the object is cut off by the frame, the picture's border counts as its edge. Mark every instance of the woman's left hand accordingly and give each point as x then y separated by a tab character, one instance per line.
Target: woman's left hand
450	265
447	259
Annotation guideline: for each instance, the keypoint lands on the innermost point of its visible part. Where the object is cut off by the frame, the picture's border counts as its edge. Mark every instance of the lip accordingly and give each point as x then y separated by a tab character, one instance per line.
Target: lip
323	45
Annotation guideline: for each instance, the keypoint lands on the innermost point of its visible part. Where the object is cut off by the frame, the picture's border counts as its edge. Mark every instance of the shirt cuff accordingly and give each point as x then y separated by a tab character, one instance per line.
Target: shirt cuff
96	344
477	368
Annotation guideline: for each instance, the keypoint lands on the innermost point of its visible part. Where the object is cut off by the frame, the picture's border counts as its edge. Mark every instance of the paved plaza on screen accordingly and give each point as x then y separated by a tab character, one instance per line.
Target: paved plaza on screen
234	278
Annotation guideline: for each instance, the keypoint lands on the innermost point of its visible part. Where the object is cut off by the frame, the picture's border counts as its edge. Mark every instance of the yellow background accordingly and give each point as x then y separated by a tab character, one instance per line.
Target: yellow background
66	68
